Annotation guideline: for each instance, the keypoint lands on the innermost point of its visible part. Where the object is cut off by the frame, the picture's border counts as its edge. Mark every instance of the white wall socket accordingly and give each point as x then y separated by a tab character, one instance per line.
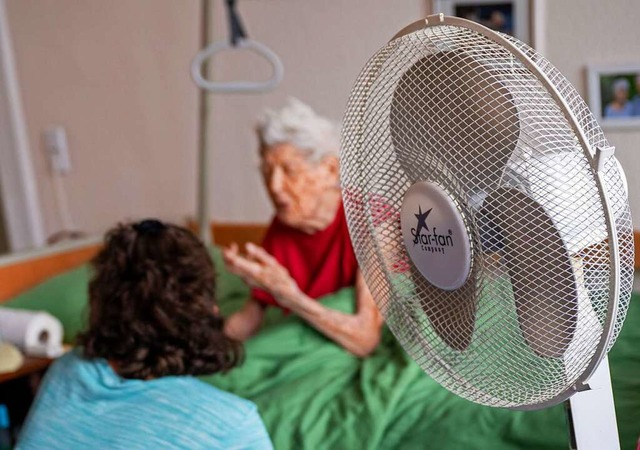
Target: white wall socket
57	148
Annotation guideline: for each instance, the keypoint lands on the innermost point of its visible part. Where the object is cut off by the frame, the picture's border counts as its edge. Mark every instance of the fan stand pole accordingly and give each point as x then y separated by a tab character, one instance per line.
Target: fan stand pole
591	414
204	138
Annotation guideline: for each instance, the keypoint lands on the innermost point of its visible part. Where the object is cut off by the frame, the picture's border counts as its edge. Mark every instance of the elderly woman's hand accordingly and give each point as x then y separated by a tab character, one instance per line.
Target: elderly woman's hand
260	269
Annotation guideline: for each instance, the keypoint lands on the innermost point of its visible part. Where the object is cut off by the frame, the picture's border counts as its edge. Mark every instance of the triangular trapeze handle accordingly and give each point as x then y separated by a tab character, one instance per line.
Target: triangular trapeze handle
229	87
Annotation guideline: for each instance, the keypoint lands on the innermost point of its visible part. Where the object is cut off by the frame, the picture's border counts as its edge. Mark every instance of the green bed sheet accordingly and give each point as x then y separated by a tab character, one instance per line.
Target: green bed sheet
314	395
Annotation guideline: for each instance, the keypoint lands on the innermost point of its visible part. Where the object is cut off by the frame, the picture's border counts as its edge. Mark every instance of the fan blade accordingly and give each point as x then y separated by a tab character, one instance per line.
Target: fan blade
491	237
477	137
540	268
452	314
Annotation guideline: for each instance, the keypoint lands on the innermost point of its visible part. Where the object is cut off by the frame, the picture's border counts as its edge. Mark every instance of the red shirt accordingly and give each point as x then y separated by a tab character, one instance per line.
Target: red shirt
321	263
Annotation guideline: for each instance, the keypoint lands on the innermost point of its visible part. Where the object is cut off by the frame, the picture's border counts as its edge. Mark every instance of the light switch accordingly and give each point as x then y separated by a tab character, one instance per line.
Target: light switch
55	142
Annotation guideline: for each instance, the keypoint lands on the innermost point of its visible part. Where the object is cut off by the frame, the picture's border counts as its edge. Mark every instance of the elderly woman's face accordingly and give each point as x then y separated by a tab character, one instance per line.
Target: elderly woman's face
297	186
621	94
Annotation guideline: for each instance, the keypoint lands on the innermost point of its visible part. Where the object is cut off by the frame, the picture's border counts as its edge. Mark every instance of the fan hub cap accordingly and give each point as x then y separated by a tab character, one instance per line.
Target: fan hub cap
435	235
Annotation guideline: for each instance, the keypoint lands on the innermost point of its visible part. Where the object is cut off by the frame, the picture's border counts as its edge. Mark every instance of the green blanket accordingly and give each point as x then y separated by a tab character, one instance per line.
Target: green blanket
314	395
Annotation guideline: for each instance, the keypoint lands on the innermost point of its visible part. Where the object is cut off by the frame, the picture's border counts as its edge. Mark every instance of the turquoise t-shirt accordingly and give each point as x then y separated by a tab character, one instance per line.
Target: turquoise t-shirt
85	404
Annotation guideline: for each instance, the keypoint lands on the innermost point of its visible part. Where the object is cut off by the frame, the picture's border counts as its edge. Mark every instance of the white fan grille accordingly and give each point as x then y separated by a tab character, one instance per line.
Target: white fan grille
448	105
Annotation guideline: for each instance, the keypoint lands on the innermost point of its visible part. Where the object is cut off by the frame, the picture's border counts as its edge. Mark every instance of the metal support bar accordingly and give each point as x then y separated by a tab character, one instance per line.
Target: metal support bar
592	415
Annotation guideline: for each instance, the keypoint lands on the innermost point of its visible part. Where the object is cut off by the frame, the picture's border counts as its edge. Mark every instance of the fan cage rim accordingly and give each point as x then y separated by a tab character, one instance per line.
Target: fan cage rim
593	160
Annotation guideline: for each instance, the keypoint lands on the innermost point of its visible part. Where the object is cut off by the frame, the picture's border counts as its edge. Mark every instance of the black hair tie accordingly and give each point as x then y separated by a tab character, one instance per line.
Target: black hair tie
149	227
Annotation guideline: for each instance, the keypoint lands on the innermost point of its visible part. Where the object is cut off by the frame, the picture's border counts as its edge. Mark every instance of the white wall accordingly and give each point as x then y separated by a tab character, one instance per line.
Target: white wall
323	45
594	32
4	244
116	75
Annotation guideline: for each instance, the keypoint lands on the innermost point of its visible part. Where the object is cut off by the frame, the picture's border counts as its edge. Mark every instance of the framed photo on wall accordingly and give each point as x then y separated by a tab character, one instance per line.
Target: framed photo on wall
507	16
614	95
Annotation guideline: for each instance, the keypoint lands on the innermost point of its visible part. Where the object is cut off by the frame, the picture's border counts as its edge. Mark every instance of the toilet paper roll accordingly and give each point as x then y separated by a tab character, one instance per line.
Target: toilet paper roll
35	333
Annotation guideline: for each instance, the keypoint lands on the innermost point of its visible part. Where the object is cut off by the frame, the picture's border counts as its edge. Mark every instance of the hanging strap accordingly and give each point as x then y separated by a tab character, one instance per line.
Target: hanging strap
236	28
238	41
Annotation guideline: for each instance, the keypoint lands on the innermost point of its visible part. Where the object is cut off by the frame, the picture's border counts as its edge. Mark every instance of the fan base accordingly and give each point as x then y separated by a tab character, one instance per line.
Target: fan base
591	414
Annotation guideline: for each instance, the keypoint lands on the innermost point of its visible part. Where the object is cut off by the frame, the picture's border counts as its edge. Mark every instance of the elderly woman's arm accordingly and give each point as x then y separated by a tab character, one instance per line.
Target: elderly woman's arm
246	322
359	333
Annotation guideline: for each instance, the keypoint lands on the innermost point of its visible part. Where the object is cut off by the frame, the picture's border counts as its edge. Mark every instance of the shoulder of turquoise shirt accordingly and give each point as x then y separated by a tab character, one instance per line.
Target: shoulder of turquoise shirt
183	392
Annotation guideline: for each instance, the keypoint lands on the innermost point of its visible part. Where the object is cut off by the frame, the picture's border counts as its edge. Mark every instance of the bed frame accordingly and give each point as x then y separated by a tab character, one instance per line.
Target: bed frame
20	272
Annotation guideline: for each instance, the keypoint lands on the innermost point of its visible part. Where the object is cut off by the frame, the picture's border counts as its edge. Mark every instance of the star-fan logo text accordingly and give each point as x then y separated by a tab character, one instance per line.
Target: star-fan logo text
429	239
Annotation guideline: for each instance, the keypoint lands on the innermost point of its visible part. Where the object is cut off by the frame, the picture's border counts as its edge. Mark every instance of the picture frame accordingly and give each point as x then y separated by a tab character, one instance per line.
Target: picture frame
605	83
507	16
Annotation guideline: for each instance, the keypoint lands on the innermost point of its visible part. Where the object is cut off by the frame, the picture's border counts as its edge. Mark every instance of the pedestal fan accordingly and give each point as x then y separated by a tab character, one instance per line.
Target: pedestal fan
504	201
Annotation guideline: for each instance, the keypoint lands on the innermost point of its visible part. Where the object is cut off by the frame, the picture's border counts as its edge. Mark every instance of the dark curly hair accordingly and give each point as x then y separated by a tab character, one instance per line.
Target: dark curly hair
152	305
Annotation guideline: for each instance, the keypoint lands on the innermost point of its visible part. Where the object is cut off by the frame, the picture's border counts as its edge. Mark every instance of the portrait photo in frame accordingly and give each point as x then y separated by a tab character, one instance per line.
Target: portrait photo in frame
506	16
614	95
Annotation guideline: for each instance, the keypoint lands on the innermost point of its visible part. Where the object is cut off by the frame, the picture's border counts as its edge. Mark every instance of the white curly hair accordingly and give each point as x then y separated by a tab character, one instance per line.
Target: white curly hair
621	84
299	125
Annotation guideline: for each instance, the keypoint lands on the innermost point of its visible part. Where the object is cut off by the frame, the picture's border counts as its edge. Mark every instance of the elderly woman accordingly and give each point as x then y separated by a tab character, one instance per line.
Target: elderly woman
306	253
